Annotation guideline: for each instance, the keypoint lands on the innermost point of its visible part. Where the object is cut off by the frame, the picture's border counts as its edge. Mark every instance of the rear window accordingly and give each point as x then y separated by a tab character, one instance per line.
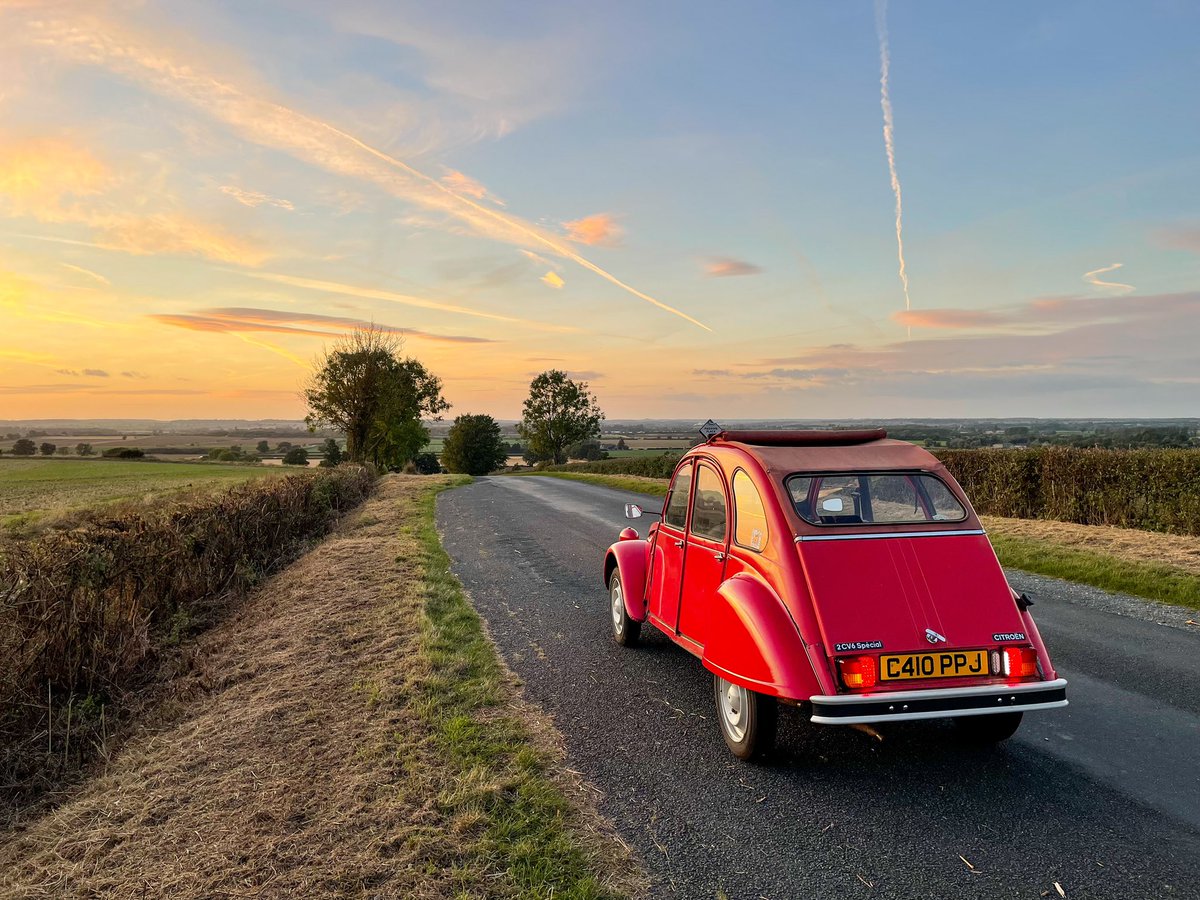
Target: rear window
882	498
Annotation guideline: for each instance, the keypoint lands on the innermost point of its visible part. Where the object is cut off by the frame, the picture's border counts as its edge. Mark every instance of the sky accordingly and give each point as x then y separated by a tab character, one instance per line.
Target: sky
702	209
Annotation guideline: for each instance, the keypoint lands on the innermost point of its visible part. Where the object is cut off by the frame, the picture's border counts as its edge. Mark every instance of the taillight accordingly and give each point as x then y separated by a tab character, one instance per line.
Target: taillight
1018	662
858	671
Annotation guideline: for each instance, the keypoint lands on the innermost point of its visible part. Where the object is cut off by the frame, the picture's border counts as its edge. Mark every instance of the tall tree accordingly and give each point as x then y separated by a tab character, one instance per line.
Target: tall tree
474	446
559	412
365	389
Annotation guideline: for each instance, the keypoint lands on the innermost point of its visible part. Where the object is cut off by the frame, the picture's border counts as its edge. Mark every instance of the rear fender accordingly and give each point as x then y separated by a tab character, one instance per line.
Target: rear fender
630	558
753	641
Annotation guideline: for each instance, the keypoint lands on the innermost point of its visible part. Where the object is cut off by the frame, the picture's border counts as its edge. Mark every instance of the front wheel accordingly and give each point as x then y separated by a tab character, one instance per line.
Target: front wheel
991	729
747	719
625	630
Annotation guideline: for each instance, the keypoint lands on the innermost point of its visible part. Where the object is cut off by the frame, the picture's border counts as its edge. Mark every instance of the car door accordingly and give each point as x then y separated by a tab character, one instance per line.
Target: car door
706	546
666	563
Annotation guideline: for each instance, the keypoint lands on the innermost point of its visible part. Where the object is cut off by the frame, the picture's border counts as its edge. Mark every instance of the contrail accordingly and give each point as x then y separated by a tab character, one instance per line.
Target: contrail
1090	278
885	100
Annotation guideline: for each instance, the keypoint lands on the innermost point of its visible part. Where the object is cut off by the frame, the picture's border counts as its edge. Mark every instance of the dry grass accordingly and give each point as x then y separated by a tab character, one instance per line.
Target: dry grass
1127	544
299	757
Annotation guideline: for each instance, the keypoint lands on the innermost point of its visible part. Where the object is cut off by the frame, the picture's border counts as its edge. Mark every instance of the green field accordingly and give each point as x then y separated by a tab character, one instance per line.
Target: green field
34	491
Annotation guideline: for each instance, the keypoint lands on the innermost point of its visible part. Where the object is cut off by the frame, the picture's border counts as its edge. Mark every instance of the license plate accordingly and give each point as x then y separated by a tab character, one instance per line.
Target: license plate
952	664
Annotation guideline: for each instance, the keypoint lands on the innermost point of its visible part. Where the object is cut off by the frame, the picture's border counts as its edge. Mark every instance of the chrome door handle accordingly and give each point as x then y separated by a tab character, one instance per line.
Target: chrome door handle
719	557
678	543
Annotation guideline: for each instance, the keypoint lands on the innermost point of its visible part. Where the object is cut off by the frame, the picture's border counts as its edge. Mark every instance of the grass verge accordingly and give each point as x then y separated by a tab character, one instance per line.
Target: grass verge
1142	579
349	732
503	775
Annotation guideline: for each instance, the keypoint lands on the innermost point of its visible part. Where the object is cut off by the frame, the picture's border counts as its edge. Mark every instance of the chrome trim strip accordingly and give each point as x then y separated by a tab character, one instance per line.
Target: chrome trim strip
933	714
890	534
941	693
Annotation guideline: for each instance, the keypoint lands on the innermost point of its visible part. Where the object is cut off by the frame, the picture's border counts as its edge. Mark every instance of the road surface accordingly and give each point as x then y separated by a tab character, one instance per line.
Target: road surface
1101	799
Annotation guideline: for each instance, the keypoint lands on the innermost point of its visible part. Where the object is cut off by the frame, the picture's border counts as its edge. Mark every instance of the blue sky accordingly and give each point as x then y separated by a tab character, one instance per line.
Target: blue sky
687	204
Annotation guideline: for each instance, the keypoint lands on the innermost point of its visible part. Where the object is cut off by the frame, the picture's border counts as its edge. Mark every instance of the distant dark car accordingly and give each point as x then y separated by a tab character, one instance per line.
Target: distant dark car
836	570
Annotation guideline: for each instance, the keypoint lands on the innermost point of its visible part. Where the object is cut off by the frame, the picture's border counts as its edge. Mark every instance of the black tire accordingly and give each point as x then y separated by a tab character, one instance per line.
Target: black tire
748	719
625	630
990	729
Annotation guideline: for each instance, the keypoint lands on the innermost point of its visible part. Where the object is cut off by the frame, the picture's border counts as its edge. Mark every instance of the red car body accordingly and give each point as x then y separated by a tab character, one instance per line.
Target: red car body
841	610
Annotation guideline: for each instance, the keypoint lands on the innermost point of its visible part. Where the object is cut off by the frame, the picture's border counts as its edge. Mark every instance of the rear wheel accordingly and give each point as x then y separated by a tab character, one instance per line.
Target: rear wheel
747	719
624	629
988	729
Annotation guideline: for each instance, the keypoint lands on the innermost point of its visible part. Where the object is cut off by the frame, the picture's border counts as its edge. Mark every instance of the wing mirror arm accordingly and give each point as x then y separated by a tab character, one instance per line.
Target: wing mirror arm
633	511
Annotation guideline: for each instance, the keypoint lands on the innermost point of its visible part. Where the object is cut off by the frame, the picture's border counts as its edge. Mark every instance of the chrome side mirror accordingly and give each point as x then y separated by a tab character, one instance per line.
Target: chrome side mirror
633	511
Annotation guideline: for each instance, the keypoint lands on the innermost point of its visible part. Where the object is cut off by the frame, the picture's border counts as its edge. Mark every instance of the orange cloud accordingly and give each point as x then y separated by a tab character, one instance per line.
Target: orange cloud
725	267
178	235
947	318
246	319
255	198
599	229
468	186
38	175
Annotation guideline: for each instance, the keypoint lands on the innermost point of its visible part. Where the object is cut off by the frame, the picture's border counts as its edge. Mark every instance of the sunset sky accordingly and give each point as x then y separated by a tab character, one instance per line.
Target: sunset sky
687	204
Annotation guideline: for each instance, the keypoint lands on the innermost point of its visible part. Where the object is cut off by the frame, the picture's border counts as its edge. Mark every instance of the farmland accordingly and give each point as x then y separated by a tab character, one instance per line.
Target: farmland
33	491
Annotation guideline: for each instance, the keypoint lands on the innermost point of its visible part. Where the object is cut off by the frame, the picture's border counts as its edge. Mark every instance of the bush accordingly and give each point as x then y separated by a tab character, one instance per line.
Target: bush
426	464
47	448
82	611
661	466
123	453
297	456
473	445
24	447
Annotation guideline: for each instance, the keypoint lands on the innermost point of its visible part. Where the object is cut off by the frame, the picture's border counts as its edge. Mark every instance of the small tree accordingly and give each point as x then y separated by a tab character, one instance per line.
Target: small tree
366	390
64	451
264	447
48	448
331	453
559	412
589	450
297	456
83	449
621	444
474	446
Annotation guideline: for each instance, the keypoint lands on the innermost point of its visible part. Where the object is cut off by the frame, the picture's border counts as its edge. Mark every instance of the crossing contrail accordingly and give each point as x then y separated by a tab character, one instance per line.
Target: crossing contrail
889	142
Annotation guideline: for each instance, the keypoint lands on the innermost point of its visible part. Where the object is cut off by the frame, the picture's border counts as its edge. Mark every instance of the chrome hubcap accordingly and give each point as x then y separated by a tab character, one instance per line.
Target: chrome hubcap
734	708
618	606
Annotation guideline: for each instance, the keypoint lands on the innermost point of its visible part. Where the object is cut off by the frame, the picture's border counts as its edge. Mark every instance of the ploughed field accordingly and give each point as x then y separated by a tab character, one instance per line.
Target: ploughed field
1100	799
35	491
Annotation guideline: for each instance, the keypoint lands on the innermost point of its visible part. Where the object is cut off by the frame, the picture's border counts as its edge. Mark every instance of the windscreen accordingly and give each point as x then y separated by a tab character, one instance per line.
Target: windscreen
880	498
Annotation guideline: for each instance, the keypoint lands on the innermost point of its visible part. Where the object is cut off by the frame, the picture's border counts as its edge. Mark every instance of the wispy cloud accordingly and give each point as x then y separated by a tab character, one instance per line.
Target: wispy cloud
1092	278
90	373
95	41
889	138
95	276
255	198
1179	237
599	229
248	319
366	293
947	318
54	181
725	267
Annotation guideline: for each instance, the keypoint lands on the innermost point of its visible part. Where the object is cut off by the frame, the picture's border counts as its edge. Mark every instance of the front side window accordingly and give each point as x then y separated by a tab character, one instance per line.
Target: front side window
749	516
708	511
882	498
677	504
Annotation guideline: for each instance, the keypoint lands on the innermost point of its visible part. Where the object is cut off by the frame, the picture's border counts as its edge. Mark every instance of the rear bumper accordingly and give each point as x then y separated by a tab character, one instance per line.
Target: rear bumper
900	706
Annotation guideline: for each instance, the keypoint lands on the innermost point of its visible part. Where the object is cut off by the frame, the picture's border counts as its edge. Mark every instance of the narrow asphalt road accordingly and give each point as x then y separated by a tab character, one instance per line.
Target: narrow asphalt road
1101	799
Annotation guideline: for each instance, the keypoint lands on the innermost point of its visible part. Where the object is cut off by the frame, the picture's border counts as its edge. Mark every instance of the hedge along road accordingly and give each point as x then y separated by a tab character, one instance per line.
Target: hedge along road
1102	798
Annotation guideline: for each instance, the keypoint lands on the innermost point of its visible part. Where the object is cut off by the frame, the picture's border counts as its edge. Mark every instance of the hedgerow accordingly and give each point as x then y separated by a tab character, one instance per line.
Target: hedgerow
1155	490
84	611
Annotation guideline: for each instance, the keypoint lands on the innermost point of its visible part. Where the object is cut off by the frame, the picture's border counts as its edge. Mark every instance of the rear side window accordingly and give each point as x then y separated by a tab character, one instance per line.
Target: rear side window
708	511
749	516
677	503
883	498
